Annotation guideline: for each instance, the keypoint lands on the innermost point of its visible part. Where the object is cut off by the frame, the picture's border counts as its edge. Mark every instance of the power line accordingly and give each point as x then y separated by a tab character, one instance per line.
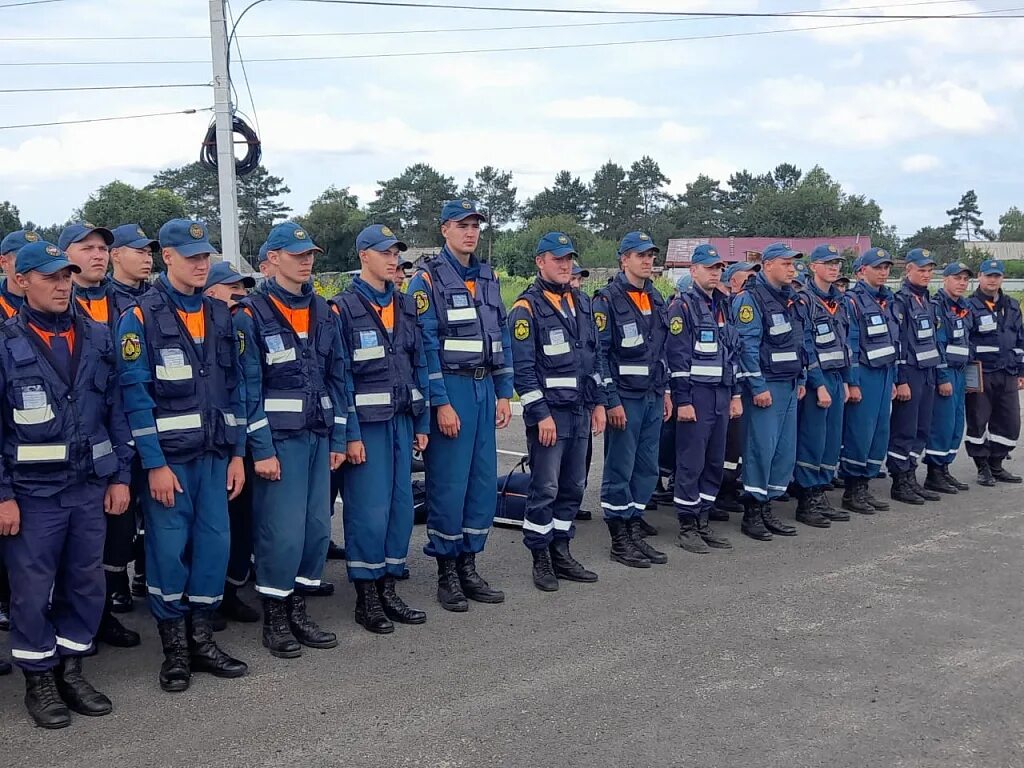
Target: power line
245	75
29	2
105	119
105	88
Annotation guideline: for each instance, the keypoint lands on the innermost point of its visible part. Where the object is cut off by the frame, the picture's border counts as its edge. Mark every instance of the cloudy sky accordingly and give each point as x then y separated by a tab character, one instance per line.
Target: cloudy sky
911	113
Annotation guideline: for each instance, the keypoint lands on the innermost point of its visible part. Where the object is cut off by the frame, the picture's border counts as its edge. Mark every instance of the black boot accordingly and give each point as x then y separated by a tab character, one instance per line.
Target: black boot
985	477
206	655
924	493
903	491
936	480
566	566
43	701
5	668
139	588
473	584
824	506
645	528
585	515
544	577
689	537
952	480
335	552
369	612
77	692
175	672
807	511
113	632
277	635
323	589
726	502
999	474
5	616
394	606
232	607
712	539
773	523
623	550
634	531
119	592
449	588
855	496
871	499
753	525
304	629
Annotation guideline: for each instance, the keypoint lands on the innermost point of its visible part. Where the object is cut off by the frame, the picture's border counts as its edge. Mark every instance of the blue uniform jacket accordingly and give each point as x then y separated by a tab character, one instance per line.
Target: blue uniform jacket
834	302
884	297
750	325
949	311
684	327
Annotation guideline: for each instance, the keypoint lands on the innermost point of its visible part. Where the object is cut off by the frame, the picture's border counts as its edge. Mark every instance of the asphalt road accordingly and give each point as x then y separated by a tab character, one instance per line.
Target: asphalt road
887	641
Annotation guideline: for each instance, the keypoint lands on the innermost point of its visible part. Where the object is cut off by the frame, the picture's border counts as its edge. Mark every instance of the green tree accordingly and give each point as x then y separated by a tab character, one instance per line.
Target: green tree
611	206
647	183
493	189
259	207
568	196
515	251
702	210
197	187
744	186
333	221
119	203
966	217
941	241
1011	225
786	176
412	203
10	218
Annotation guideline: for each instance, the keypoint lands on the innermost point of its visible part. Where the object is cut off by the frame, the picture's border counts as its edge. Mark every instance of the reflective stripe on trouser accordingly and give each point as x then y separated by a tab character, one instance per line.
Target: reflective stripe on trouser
733	465
187	545
911	421
240	521
631	458
819	435
378	508
993	417
947	429
291	518
770	451
557	482
462	474
119	547
866	424
700	450
60	546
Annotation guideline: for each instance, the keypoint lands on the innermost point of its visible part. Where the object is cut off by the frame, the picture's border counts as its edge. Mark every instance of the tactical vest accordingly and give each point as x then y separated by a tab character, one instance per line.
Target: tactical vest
781	351
713	339
878	329
295	395
920	347
191	389
564	355
638	341
993	338
957	323
118	302
469	327
383	364
829	331
55	432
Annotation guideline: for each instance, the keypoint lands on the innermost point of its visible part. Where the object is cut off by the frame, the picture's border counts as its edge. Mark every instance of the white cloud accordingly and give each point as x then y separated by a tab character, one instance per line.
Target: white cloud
920	163
596	108
677	133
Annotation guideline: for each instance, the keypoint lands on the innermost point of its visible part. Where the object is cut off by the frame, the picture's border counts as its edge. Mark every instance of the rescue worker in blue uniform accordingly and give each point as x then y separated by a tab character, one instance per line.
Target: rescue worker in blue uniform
65	463
554	351
997	342
701	350
579	274
874	349
631	320
180	380
771	370
294	379
820	414
462	319
88	247
388	417
920	357
947	427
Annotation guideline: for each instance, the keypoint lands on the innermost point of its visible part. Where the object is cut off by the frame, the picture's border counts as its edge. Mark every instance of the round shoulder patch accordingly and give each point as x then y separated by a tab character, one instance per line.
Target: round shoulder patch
521	329
746	313
422	302
675	326
601	321
131	347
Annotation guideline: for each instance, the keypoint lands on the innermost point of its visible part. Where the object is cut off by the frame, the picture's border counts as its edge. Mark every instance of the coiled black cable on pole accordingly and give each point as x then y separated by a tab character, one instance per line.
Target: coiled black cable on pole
253	155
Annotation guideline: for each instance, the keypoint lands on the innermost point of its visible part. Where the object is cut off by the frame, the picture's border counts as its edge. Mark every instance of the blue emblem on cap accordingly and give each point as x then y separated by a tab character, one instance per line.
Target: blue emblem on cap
640	242
872	257
292	238
957	268
557	243
378	237
187	237
457	210
825	252
17	240
779	251
132	236
920	257
706	255
76	233
992	267
42	257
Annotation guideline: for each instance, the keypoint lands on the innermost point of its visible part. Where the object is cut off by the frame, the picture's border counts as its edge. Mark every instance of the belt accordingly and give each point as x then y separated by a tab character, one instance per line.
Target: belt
479	374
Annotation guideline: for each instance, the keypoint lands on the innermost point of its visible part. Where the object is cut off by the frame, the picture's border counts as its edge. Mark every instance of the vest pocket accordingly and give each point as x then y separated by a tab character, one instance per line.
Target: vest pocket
33	410
173	375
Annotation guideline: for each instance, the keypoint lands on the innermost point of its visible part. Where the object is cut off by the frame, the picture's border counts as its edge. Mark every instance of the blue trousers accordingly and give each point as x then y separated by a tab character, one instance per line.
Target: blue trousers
462	474
558	477
819	435
631	458
700	451
866	424
770	452
911	421
56	572
378	505
292	518
187	544
240	517
947	427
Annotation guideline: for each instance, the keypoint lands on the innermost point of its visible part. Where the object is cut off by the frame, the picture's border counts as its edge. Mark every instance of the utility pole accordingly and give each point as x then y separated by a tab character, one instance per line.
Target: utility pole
230	246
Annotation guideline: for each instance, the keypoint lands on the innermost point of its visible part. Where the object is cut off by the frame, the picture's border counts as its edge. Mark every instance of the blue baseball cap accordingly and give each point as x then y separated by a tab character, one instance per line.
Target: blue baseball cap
801	273
17	240
992	267
684	282
290	237
222	273
740	266
187	237
262	256
779	251
559	244
920	257
957	268
706	256
132	236
578	270
872	257
457	210
843	279
75	233
377	237
637	241
43	257
825	252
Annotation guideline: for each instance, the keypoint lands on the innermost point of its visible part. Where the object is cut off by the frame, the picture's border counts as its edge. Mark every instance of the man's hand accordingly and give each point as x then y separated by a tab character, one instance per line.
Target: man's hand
419	442
598	420
763	400
10	518
502	412
801	390
946	389
686	413
236	476
163	484
268	469
735	408
356	452
824	398
666	408
903	392
617	417
337	459
1020	382
115	500
448	421
546	432
855	394
846	393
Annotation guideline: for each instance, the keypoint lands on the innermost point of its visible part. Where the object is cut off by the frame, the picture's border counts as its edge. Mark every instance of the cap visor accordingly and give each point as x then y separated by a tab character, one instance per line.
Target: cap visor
144	242
383	245
561	253
465	215
189	250
105	233
247	282
56	266
992	272
584	273
297	248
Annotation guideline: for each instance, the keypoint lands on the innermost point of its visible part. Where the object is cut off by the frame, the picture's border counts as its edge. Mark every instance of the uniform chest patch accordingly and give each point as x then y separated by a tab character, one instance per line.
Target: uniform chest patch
422	302
131	347
746	313
521	330
675	327
601	321
241	342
